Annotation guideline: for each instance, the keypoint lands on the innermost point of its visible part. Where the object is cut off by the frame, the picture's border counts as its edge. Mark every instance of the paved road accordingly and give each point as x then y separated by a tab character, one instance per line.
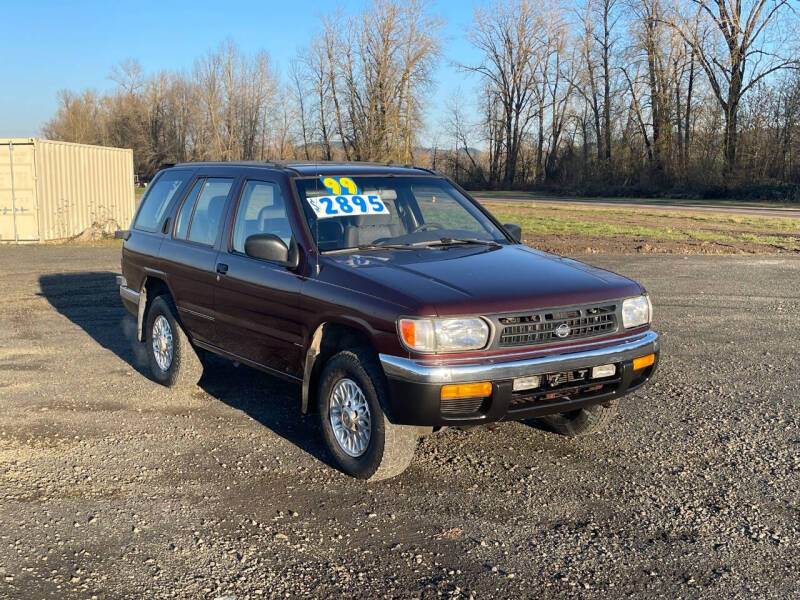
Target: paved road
762	211
114	487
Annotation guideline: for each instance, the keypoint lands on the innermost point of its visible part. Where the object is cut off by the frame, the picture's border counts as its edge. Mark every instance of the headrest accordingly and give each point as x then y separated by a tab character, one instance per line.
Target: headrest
216	204
367	220
384	193
271	212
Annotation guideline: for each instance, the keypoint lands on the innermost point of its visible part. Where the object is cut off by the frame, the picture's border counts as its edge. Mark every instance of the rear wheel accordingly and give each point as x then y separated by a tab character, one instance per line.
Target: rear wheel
173	359
357	433
583	421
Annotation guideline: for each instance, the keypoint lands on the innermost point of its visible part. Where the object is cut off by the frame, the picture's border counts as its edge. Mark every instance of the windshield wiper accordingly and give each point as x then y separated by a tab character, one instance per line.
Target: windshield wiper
389	246
448	241
372	247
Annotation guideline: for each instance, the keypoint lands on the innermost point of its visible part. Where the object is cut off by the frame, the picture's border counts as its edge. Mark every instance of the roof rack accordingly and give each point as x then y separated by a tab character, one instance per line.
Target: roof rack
291	164
369	163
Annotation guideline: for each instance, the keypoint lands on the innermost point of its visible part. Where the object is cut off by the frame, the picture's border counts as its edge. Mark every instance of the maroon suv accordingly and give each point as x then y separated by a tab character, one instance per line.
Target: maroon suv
396	302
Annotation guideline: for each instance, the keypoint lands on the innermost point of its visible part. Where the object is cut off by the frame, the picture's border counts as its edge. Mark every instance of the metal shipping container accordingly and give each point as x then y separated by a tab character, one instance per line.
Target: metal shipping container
54	190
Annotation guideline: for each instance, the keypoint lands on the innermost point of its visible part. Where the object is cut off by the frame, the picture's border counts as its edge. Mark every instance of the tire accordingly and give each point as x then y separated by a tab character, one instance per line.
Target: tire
185	365
387	449
583	421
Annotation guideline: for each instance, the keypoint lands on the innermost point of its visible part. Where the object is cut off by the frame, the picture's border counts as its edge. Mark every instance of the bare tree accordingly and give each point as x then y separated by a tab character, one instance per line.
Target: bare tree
299	91
508	37
368	73
738	45
460	131
129	76
78	118
596	96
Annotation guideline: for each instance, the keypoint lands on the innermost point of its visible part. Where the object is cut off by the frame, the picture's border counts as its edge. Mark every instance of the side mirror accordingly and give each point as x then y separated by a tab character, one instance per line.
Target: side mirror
514	230
268	246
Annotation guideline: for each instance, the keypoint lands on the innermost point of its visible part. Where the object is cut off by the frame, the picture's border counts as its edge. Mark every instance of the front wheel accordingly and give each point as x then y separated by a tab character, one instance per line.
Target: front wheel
173	359
359	437
583	421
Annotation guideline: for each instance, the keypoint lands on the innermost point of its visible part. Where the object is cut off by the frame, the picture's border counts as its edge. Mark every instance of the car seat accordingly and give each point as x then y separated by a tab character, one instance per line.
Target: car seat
205	230
368	228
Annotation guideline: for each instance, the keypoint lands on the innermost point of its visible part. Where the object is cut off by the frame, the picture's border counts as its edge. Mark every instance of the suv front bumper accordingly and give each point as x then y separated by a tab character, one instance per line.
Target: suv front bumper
415	385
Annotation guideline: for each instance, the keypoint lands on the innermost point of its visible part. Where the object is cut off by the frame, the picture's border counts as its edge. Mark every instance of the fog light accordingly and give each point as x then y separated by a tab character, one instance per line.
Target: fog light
526	383
467	390
603	371
643	361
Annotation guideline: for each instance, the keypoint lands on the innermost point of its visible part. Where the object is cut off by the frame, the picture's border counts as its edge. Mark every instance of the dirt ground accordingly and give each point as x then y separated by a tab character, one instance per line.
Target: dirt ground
114	487
567	245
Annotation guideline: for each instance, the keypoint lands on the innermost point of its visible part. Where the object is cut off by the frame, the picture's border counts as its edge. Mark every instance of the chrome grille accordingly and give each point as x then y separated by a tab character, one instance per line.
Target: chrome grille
541	327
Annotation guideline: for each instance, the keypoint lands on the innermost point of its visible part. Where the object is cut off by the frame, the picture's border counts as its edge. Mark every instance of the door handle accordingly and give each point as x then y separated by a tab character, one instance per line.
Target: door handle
222	268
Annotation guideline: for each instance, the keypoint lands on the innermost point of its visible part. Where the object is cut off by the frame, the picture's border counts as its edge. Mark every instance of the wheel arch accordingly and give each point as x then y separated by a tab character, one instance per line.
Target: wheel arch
328	338
152	287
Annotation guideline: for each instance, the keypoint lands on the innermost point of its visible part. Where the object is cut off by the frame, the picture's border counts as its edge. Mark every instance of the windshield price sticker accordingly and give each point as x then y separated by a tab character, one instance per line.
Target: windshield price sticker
339	185
347	206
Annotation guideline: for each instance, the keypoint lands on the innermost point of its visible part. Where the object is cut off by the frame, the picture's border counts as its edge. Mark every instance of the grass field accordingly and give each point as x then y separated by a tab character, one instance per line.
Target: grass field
677	202
578	227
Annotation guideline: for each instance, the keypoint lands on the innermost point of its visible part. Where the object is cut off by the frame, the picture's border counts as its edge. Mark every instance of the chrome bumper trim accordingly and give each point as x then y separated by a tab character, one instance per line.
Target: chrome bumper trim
419	372
128	294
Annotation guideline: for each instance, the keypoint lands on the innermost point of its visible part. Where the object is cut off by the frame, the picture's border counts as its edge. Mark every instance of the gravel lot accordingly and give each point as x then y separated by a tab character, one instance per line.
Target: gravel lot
112	486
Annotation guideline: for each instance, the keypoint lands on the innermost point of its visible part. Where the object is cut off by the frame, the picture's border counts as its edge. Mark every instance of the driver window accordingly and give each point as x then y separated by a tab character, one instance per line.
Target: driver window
261	210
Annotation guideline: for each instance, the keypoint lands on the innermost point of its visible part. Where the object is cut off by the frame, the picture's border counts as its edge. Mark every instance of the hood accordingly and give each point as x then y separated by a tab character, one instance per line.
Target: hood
475	280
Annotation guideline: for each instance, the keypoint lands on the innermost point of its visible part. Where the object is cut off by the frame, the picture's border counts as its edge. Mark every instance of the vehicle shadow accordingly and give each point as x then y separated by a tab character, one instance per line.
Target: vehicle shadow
269	400
91	301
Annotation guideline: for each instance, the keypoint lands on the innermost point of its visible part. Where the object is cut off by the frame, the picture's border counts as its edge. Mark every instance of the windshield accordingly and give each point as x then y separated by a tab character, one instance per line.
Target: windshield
358	212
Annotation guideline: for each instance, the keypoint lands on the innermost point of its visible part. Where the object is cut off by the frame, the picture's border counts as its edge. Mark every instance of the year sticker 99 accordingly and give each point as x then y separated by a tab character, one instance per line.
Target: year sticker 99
347	206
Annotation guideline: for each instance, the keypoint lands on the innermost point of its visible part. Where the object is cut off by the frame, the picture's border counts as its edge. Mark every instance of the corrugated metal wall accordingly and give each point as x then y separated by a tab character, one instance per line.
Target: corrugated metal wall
79	185
76	186
19	211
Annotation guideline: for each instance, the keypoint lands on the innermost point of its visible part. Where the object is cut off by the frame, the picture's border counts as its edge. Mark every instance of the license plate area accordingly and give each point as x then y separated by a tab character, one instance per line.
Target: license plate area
564	385
554	380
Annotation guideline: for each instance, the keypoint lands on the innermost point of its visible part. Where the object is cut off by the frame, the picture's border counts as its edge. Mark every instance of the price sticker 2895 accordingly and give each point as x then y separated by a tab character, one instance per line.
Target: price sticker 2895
347	206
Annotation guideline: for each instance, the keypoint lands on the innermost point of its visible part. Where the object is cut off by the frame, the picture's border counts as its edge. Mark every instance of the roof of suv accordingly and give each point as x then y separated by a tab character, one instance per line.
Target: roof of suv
311	169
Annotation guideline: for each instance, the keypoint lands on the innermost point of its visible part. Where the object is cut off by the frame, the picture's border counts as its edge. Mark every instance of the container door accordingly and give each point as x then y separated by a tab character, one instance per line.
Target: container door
18	211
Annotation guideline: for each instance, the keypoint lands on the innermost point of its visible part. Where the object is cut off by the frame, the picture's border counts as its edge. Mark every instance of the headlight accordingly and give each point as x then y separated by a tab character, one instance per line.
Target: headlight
443	335
636	312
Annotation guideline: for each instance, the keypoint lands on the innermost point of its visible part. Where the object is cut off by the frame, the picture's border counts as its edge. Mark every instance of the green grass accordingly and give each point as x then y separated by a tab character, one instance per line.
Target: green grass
681	219
540	196
604	222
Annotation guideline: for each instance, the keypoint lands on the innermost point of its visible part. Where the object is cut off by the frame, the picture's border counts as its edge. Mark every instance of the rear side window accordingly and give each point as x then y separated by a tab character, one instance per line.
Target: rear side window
156	202
185	214
201	214
261	210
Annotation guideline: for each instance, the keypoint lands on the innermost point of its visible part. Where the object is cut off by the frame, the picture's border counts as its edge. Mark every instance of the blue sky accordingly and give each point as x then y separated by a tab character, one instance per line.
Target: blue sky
53	45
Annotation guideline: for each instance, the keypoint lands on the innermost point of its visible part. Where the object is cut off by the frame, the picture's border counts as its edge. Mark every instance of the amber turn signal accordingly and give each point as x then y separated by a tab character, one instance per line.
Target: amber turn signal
467	390
643	361
408	332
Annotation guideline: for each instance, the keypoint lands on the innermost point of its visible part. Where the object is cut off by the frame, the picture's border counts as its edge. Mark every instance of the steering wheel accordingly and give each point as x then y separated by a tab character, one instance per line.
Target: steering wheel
427	226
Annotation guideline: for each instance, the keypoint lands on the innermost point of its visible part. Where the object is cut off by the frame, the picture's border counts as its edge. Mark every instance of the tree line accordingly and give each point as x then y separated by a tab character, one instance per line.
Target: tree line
593	96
